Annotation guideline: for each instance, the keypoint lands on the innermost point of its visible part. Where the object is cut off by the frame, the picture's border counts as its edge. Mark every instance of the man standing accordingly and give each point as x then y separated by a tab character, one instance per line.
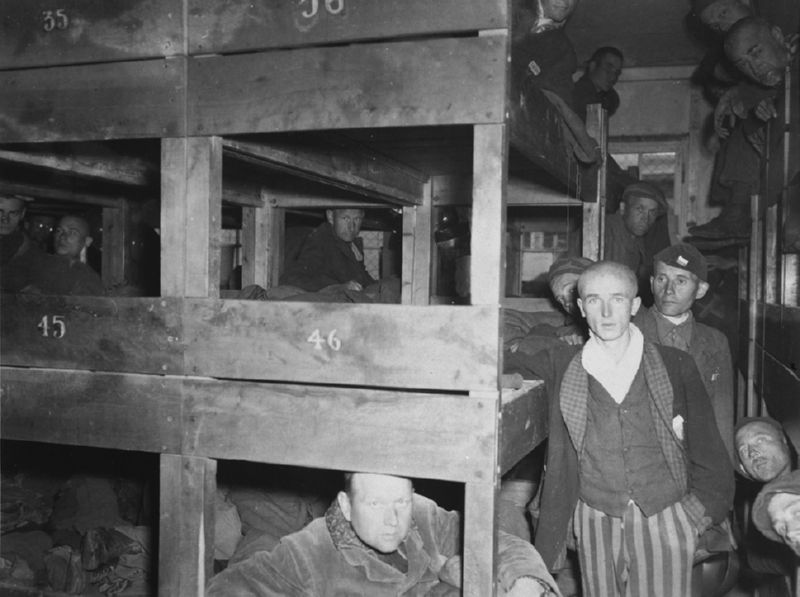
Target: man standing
378	538
332	257
680	277
624	239
634	458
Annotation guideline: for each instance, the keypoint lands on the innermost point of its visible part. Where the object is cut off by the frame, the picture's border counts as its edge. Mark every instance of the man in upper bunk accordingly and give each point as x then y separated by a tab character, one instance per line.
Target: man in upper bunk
596	86
332	257
624	240
20	259
680	277
67	273
379	538
635	464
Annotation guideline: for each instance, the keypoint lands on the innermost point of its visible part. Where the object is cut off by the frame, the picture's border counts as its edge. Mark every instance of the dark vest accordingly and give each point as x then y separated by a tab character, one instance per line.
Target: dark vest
622	459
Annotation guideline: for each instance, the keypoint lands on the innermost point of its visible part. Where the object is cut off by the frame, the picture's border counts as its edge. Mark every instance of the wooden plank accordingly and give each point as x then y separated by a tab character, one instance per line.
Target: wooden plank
106	167
381	345
422	250
341	165
174	183
451	190
55	194
594	210
407	264
95	101
43	33
186	524
402	433
83	408
240	25
490	172
116	254
431	82
523	424
103	334
255	243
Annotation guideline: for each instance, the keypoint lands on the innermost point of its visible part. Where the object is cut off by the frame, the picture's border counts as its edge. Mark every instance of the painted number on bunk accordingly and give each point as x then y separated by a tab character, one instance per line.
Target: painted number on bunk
310	11
52	326
54	19
319	341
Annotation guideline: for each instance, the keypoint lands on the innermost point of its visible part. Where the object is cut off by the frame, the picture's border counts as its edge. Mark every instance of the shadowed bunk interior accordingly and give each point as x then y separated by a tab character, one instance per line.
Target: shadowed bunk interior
263	109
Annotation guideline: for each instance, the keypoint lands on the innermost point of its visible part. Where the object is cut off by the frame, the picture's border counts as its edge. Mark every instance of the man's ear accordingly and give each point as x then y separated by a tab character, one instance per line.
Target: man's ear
635	304
652	279
621	208
329	216
580	306
702	288
344	504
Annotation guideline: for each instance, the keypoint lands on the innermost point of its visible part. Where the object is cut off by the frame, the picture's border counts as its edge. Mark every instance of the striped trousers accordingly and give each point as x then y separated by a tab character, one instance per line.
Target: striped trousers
636	555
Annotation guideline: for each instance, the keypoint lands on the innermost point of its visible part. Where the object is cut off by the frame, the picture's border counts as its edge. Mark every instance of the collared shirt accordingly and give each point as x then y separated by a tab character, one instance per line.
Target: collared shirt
677	335
615	377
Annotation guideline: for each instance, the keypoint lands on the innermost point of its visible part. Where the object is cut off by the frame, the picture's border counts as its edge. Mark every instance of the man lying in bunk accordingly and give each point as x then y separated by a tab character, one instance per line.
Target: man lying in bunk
626	232
378	538
332	257
20	258
776	512
635	461
680	277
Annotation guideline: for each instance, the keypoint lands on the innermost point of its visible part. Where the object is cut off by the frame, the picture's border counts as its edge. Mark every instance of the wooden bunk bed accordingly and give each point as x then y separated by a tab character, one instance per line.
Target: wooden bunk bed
196	378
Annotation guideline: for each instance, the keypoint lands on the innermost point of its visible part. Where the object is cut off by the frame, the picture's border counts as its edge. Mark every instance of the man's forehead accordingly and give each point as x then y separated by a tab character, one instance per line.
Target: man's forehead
71	222
664	268
349	212
11	203
751	430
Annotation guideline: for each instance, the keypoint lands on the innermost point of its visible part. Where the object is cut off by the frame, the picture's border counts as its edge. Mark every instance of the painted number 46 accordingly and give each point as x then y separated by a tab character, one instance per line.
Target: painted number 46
52	326
318	340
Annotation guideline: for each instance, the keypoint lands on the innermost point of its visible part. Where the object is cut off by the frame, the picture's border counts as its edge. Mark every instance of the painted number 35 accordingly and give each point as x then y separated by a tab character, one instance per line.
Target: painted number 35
310	8
52	326
54	19
318	340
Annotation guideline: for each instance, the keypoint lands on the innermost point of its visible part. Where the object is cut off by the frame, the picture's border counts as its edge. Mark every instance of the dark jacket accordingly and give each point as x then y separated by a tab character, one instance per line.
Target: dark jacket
584	93
325	259
712	355
326	558
710	473
22	262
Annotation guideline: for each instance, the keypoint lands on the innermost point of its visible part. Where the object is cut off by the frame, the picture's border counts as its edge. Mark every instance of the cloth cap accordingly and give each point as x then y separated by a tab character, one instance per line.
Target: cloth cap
684	256
567	265
698	6
788	483
645	189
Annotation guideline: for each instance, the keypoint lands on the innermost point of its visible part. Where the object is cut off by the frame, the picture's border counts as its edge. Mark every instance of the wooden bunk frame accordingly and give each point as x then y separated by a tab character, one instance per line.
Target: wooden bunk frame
196	378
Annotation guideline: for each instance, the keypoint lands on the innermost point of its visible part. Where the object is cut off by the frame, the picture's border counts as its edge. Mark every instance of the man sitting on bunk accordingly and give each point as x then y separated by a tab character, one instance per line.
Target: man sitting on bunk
596	86
679	278
332	257
378	538
642	204
634	462
67	273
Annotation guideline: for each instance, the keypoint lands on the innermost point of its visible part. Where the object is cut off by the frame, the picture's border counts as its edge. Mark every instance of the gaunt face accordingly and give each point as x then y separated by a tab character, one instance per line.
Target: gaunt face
606	71
784	514
346	222
758	51
558	10
12	210
564	288
762	451
675	289
721	15
639	214
608	302
379	508
70	237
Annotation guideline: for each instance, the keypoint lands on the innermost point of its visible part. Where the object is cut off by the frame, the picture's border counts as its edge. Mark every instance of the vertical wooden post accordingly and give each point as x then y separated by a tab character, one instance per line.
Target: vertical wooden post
417	251
594	213
407	266
116	257
772	255
256	238
186	533
753	300
191	211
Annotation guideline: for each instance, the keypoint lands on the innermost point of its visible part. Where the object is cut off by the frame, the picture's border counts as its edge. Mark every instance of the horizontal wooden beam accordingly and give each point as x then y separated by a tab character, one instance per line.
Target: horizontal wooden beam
244	25
524	423
58	194
120	100
110	168
419	83
431	435
346	167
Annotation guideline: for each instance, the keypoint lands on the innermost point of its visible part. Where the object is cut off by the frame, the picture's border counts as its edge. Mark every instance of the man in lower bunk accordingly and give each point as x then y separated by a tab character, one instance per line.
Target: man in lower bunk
332	256
680	277
763	454
776	512
625	231
378	538
635	463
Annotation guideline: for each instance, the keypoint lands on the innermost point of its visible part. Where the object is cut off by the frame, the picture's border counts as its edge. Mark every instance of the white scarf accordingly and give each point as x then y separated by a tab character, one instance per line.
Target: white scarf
615	377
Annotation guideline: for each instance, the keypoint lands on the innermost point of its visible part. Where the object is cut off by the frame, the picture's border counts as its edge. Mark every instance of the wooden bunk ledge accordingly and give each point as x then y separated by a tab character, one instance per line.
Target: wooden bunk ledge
336	163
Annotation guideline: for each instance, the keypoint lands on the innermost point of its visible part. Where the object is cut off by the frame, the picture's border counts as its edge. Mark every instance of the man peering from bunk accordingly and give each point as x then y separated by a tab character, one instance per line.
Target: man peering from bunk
625	231
20	258
776	511
763	454
332	257
596	86
634	460
378	538
67	273
680	277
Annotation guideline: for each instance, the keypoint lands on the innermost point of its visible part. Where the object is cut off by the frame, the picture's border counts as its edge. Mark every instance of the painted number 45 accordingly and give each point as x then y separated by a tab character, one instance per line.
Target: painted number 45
318	340
52	326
